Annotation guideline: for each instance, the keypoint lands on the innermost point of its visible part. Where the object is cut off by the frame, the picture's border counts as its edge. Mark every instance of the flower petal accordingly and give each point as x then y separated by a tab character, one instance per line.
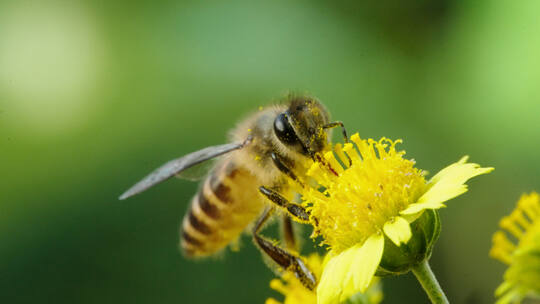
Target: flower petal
447	184
366	260
351	271
335	270
412	217
398	230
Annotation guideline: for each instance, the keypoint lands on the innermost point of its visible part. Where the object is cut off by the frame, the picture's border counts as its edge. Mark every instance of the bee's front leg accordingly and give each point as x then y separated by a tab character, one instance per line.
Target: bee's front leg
338	124
343	132
285	259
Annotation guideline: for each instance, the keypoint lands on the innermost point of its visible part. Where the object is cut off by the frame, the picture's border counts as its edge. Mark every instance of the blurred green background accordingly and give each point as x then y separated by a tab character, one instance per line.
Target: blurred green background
95	94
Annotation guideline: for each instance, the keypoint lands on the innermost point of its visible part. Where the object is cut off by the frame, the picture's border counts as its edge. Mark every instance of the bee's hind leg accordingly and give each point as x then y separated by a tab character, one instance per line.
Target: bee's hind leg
285	259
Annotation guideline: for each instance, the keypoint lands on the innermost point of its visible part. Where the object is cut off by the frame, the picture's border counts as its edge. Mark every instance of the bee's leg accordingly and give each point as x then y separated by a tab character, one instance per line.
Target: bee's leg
262	219
338	124
285	259
343	131
299	212
287	231
280	165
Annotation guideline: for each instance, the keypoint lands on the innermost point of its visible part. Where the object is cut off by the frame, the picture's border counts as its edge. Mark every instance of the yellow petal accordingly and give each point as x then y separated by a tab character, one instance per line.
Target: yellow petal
398	230
445	171
508	294
365	263
503	288
335	270
447	184
412	217
351	271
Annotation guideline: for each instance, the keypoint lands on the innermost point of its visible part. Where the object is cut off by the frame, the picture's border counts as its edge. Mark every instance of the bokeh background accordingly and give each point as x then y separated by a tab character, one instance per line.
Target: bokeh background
95	94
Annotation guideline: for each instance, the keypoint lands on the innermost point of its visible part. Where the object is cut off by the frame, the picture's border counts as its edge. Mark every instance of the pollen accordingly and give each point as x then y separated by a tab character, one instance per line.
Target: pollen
365	184
364	192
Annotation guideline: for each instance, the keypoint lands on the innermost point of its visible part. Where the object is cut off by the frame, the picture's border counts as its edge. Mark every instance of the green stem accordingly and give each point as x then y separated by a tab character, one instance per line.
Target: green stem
427	279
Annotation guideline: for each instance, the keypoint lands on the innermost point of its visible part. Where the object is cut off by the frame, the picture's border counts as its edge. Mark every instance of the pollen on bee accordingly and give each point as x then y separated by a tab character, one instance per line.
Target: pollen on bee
249	130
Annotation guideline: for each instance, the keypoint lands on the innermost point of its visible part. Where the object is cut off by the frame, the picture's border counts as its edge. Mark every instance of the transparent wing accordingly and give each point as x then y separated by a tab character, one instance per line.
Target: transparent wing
198	171
178	165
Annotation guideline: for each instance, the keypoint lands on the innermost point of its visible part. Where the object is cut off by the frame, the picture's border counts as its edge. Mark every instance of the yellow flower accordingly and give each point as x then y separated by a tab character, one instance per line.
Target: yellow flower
523	275
296	293
379	193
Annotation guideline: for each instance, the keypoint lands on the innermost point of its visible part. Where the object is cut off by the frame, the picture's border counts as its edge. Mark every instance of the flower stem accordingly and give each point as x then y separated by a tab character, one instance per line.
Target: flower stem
427	279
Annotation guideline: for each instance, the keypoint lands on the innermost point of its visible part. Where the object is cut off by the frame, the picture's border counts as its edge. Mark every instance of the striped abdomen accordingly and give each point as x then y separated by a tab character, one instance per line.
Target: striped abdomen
227	202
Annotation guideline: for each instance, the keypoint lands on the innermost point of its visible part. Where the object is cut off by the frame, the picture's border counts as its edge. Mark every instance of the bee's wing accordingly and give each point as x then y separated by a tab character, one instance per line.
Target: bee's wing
178	165
199	171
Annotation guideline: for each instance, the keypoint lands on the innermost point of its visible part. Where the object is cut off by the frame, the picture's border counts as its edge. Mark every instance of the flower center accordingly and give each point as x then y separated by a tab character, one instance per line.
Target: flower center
359	196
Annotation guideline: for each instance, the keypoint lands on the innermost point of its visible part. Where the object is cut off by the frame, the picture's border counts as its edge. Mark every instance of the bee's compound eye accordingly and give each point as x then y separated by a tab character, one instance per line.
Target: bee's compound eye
284	130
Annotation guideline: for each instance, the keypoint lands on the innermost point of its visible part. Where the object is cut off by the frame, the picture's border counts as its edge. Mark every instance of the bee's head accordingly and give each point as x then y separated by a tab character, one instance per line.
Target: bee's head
300	127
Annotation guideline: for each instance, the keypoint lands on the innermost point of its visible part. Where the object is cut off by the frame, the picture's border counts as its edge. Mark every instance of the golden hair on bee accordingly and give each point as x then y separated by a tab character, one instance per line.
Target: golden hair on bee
292	130
265	151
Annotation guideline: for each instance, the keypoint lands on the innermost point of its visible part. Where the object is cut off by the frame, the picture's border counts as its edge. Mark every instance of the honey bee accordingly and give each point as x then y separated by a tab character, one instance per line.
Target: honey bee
253	169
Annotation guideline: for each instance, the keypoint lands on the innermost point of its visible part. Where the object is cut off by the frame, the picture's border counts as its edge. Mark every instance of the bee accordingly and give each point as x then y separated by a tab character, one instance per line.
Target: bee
245	184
